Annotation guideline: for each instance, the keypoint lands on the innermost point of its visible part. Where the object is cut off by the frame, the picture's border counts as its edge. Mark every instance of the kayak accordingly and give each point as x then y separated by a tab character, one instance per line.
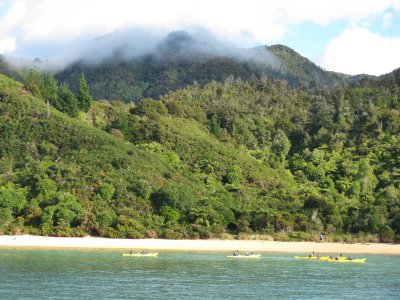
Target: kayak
320	258
354	260
327	258
140	254
245	256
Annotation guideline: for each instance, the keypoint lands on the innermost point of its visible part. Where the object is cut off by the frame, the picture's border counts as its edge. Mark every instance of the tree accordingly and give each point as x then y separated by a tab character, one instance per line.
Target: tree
12	197
175	196
68	209
106	191
150	108
280	146
49	89
386	234
366	177
68	102
233	176
83	97
33	82
214	126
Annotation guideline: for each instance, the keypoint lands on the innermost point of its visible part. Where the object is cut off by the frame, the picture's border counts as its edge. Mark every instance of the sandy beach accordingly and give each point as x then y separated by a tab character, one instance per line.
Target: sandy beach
197	245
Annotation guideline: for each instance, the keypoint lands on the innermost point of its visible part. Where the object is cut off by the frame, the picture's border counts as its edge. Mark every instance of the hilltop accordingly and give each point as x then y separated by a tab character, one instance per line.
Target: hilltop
180	60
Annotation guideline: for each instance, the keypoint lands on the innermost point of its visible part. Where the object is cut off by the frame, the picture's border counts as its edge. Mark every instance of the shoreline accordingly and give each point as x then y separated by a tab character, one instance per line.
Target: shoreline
19	241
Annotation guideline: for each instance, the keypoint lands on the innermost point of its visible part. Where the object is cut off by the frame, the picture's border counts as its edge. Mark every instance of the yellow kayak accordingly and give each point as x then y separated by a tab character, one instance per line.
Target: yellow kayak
339	259
140	254
245	256
320	258
354	260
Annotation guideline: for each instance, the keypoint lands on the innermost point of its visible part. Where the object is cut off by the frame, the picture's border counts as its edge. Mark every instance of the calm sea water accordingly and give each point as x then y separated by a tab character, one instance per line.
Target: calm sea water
88	274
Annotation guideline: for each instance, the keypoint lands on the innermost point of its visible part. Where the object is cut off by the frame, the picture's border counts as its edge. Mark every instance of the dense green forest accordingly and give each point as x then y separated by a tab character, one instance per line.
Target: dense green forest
245	158
181	60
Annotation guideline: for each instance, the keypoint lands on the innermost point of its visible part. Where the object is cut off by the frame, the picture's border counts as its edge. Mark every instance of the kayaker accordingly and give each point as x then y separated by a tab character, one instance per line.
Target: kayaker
236	253
144	252
131	252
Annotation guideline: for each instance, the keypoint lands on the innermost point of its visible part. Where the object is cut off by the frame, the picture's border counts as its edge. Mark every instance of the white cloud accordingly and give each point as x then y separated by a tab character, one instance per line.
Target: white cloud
7	45
263	20
387	19
357	51
31	26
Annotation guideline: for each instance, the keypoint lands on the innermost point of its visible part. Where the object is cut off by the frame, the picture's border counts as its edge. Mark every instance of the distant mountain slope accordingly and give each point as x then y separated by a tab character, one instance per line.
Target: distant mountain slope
180	60
390	79
298	68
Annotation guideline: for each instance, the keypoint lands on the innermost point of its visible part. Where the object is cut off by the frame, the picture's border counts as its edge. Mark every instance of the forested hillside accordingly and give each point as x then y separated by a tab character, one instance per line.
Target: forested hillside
62	177
180	60
239	157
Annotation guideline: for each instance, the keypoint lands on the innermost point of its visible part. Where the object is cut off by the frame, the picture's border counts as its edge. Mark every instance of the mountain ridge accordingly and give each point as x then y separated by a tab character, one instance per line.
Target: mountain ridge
180	59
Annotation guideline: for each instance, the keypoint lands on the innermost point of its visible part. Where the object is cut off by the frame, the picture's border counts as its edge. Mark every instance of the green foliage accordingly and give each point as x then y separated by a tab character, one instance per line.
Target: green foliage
106	191
49	89
67	101
45	86
83	96
151	109
247	157
280	145
68	210
33	82
386	234
142	188
215	127
6	219
174	196
171	215
106	218
12	197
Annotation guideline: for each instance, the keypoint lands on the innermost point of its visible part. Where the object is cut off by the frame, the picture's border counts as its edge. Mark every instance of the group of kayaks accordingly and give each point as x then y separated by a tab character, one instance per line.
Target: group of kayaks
154	254
141	254
339	259
247	255
237	254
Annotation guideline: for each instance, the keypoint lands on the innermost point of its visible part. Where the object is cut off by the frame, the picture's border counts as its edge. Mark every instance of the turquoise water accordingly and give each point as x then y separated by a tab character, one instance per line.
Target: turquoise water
85	274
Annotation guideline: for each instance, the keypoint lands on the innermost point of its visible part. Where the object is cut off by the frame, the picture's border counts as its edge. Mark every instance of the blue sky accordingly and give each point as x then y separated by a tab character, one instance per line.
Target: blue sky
310	39
349	36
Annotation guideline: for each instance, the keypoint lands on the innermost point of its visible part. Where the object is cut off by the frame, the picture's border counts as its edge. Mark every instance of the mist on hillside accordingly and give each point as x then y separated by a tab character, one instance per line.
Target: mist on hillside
125	45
